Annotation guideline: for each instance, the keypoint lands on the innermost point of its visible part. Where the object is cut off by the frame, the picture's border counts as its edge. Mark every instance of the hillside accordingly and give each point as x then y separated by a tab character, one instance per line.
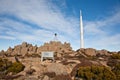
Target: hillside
84	64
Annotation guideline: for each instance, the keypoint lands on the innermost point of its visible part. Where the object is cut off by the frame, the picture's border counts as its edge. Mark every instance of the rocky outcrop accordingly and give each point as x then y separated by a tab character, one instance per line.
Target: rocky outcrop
16	50
55	46
103	52
90	52
87	51
94	52
24	51
9	51
29	49
60	50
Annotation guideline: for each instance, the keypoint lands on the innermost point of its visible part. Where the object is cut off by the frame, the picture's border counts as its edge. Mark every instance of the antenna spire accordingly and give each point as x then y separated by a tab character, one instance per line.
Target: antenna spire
81	31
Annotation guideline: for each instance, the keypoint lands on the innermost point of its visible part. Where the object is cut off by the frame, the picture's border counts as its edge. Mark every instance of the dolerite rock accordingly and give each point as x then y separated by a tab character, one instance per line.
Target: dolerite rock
2	53
9	51
55	46
90	52
24	44
17	50
24	51
30	48
46	78
81	50
38	50
25	48
59	54
103	52
57	68
34	49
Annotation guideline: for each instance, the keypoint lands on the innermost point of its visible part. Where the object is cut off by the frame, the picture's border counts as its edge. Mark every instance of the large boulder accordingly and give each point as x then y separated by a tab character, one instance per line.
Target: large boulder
57	68
90	52
24	51
103	52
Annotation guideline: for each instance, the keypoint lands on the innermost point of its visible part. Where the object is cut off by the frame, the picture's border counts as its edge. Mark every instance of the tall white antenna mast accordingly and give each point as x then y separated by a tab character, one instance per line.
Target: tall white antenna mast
81	31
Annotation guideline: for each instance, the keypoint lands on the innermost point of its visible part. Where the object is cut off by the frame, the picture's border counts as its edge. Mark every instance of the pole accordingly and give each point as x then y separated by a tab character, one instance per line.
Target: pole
81	31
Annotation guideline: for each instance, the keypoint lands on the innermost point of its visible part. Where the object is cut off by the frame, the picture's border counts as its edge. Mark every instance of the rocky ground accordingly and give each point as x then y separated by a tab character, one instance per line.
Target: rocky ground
43	70
64	66
49	70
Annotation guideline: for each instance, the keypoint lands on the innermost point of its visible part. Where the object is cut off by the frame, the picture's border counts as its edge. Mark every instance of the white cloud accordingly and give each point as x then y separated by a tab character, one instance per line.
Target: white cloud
7	37
110	40
40	12
93	28
97	27
100	33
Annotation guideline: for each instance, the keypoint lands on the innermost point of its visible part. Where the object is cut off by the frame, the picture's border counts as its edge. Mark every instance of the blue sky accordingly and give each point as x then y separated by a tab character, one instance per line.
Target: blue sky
36	21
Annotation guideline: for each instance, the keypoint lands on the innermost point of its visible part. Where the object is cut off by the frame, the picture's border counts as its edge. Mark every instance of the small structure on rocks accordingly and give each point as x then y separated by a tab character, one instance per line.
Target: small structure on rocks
45	55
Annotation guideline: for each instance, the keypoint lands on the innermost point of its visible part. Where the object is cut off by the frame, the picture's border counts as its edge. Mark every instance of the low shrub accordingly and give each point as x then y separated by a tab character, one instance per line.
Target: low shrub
16	67
95	73
7	66
4	64
115	56
116	70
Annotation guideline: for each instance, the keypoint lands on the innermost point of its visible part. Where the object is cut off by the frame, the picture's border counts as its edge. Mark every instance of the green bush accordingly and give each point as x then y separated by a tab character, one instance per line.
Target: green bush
4	64
7	66
16	67
116	70
95	73
115	56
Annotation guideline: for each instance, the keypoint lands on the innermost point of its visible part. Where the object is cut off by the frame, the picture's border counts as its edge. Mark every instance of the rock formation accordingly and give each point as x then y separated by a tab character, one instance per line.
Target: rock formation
90	51
66	61
29	49
55	46
94	52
